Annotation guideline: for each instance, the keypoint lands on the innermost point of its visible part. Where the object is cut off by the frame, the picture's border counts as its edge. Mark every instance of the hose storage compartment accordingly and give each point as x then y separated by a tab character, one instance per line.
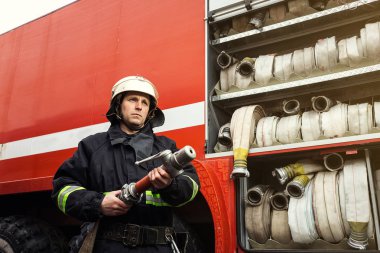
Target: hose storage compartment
319	208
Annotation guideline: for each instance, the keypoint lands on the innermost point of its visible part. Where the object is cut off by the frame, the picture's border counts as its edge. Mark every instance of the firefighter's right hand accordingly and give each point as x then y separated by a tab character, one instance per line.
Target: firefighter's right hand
112	205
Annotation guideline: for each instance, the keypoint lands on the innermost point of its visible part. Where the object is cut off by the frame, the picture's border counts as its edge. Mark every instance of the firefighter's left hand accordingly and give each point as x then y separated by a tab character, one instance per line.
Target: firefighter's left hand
159	178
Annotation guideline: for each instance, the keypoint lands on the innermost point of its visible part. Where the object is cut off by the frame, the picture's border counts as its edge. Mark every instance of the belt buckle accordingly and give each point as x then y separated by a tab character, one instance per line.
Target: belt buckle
131	235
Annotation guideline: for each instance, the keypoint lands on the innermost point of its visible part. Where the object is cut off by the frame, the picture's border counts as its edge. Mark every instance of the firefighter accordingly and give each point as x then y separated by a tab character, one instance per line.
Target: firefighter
87	185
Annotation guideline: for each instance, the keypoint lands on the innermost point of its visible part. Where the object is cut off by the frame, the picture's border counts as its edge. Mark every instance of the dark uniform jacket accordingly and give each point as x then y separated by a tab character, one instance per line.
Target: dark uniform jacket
104	162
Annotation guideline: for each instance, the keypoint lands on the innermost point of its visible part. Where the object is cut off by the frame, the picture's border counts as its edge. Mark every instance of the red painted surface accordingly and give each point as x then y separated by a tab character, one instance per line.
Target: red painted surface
57	72
218	190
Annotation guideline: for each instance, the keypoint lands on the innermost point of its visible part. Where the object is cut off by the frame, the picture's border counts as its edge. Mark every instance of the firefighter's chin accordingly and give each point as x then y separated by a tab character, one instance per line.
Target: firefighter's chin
133	125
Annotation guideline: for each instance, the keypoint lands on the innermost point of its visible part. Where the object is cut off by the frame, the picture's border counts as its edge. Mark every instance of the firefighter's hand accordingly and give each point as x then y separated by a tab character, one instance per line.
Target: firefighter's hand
159	178
112	205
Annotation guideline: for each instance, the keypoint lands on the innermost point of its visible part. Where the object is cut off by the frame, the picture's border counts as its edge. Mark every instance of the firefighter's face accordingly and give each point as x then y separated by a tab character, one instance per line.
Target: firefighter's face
135	109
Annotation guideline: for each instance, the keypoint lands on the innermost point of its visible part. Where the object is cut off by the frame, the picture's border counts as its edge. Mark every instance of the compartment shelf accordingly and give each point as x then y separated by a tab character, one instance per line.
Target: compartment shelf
347	14
326	82
347	142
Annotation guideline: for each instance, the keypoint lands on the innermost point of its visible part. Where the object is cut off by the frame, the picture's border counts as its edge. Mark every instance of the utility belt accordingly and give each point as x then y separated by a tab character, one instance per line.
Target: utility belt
134	235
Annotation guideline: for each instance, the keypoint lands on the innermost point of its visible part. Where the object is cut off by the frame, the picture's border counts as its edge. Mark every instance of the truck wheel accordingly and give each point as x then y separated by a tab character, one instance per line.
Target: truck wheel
29	235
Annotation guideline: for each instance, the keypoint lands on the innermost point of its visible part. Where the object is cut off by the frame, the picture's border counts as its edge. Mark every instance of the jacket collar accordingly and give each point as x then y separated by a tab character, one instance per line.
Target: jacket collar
141	142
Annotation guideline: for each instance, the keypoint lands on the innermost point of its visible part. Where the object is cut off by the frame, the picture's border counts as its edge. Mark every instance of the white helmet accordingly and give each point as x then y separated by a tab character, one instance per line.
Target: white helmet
135	83
140	84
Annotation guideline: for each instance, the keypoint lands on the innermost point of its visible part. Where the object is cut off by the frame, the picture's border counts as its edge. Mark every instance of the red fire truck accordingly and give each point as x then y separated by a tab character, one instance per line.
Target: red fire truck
56	73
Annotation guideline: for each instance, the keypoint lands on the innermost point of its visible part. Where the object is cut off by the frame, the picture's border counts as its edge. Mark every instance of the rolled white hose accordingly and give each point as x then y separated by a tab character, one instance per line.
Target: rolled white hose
333	161
360	119
257	219
353	119
244	73
266	131
291	107
288	129
357	202
304	61
320	211
227	77
373	40
243	124
310	126
263	69
322	103
255	195
342	202
376	113
334	216
363	38
296	187
334	121
301	218
225	60
283	67
326	53
350	51
280	230
279	201
354	51
342	49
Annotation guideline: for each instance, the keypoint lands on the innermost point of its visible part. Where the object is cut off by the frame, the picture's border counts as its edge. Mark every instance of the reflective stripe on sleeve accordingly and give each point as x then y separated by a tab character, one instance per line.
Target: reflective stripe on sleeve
64	194
195	191
154	199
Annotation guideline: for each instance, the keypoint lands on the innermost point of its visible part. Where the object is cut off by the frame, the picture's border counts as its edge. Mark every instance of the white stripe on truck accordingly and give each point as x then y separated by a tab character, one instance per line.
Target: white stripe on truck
175	118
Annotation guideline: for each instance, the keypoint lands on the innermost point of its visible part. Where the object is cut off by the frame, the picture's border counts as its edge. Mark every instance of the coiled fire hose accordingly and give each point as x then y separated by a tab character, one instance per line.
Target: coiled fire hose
360	118
373	40
326	53
243	124
283	67
224	139
264	69
350	51
228	70
301	218
291	107
296	187
333	161
255	195
328	218
279	201
244	73
266	131
258	218
357	202
322	103
302	167
304	61
310	126
288	129
376	112
334	121
280	230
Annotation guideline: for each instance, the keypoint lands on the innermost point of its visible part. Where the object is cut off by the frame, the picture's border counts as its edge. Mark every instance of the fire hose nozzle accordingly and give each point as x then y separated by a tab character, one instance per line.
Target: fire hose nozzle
173	163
